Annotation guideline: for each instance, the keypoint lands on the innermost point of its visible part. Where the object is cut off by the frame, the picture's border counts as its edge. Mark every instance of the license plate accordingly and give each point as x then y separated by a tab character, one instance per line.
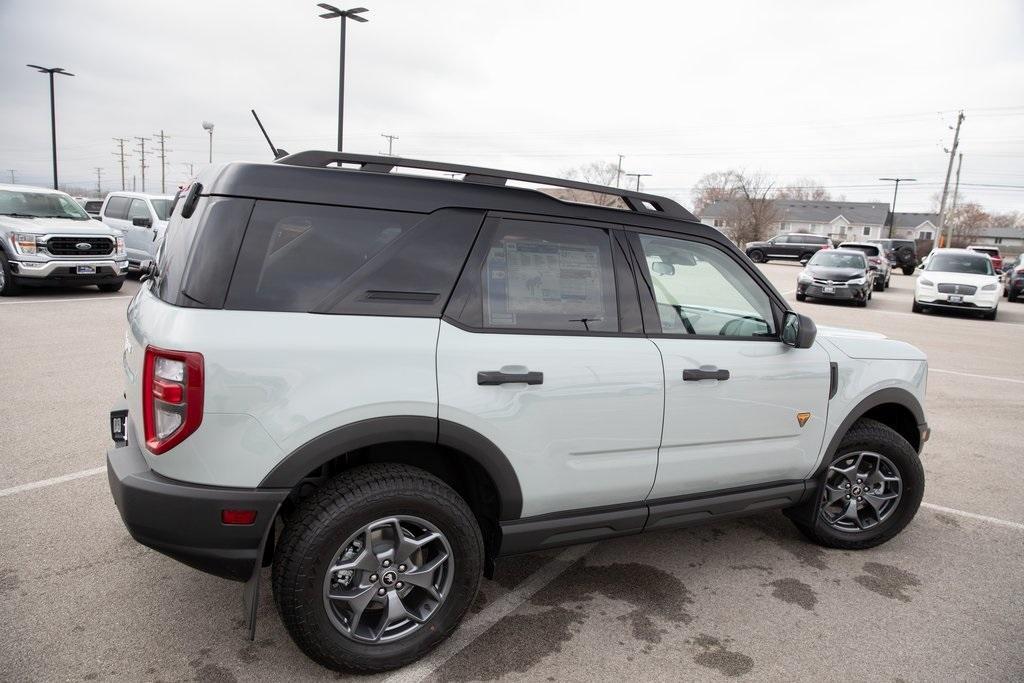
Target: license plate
828	290
86	270
956	299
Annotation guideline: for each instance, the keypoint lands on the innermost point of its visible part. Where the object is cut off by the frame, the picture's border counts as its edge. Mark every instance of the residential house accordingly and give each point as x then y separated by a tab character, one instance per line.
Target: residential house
1010	240
915	226
840	220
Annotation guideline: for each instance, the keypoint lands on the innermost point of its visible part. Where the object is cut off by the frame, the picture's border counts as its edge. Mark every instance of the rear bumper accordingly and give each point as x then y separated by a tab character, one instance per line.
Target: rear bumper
183	520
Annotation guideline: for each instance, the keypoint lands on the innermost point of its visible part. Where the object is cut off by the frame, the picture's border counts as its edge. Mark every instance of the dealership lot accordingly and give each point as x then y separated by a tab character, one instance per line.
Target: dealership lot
944	600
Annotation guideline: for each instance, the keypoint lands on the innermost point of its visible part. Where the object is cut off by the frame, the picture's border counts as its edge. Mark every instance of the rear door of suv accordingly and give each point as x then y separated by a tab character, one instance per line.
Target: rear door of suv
541	351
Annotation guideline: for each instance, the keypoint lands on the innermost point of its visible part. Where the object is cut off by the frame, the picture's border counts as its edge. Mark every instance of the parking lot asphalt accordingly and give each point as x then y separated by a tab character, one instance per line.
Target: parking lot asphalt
748	600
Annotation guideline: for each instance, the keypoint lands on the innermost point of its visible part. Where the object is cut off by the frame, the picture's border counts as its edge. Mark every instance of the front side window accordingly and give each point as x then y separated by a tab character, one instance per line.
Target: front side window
117	207
700	290
138	209
549	276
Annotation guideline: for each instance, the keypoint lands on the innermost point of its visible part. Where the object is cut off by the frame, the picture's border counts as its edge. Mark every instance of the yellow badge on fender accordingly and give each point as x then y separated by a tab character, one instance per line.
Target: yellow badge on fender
802	418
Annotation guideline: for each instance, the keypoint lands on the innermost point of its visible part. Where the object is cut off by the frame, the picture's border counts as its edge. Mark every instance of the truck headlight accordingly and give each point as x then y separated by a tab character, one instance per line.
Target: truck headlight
120	245
24	243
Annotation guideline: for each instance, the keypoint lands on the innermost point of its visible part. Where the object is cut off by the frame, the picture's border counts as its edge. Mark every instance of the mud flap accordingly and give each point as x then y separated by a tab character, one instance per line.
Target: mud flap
251	591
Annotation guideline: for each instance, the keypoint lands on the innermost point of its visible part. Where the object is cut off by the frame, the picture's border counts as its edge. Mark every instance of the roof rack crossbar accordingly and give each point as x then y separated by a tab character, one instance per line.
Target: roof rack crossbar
636	201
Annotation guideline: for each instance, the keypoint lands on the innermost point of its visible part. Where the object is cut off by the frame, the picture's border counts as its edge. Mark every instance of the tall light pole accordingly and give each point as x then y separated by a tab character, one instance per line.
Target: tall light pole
333	13
638	176
892	213
208	127
53	111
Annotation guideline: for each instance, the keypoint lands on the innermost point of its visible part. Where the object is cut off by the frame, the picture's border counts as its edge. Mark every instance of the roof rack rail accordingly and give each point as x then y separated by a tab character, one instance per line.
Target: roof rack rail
636	201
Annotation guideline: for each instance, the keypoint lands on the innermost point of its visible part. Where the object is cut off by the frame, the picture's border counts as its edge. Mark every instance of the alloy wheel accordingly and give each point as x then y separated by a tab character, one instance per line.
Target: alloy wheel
862	490
388	579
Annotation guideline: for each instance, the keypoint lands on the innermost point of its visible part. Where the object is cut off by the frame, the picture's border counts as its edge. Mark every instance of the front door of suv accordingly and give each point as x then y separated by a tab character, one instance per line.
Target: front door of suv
733	390
779	247
541	351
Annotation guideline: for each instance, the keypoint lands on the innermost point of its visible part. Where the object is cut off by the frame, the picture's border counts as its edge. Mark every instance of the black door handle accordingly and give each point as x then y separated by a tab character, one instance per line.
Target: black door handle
698	375
495	377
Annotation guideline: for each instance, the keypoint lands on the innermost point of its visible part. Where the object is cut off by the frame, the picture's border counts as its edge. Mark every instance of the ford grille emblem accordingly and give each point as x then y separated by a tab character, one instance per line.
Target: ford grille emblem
83	246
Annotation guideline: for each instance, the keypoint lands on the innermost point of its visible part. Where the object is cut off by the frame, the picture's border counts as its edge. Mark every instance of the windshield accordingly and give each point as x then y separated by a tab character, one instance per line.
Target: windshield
162	208
40	205
960	263
834	259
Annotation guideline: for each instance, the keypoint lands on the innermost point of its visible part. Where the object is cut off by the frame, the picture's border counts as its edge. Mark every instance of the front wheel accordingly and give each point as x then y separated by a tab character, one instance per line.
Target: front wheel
801	297
377	568
917	308
7	285
908	270
870	491
991	315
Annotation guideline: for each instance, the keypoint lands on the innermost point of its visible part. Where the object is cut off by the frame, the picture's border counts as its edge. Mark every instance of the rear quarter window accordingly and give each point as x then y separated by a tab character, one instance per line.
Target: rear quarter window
295	256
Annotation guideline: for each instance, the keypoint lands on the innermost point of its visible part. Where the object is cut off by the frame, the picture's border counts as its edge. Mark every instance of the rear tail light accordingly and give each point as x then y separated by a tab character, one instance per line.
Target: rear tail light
172	397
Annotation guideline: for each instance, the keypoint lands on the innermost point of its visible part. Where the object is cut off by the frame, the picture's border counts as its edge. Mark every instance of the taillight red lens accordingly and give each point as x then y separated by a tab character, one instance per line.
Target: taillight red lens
172	397
243	517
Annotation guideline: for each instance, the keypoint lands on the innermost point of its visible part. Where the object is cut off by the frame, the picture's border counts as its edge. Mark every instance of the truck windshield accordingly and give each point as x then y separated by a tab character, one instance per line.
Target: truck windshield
40	205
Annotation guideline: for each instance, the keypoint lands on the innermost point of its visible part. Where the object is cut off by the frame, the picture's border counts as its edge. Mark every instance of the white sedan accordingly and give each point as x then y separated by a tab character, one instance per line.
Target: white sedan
958	279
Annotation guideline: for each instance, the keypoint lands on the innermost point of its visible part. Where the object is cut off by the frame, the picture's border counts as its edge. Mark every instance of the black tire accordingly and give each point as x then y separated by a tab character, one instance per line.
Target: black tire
1012	296
111	287
757	256
908	270
917	308
8	286
323	521
991	315
862	302
804	258
873	436
801	297
879	285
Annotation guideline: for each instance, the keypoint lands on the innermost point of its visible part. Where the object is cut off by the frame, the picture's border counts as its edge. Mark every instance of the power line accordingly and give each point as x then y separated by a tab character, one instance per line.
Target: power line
121	154
142	156
12	171
163	160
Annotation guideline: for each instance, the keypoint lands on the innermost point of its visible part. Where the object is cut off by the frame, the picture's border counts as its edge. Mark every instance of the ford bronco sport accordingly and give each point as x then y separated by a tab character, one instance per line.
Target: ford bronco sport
379	382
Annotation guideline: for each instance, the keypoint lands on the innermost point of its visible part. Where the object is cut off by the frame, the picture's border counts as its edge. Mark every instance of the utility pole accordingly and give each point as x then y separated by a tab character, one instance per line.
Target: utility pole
638	176
142	162
618	171
391	139
99	190
163	160
334	13
208	127
956	185
191	168
13	179
892	211
945	187
121	156
53	111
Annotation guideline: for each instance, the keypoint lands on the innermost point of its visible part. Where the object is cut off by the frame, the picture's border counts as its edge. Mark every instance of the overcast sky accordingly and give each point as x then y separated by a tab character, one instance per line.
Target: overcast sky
840	92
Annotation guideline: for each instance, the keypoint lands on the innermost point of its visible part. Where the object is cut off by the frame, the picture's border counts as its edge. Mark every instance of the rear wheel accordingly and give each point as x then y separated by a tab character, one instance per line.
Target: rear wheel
1012	296
908	270
757	256
869	492
377	567
804	258
879	284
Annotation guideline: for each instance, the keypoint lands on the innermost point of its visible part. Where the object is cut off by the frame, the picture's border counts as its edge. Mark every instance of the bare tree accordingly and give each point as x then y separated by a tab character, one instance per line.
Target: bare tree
967	219
596	173
805	189
754	211
713	187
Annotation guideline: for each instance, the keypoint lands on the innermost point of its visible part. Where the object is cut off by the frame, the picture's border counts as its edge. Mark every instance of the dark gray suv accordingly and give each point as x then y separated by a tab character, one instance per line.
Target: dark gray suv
790	246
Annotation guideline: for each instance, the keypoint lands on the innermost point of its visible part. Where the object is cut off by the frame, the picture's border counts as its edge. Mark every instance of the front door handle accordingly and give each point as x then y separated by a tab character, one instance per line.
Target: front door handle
698	375
495	377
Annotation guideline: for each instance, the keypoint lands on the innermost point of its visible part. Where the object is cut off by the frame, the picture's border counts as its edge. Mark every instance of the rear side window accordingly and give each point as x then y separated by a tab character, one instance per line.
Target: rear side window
294	256
117	207
138	209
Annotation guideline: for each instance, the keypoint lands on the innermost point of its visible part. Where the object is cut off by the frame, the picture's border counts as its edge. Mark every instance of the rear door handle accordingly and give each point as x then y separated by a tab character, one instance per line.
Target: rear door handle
495	377
698	375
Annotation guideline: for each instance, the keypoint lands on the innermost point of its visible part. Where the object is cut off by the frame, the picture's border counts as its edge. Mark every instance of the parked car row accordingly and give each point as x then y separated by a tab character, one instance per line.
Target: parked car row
49	238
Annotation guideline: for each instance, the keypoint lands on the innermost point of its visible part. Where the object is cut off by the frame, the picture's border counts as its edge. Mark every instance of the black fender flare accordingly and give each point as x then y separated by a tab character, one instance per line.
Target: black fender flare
805	512
403	428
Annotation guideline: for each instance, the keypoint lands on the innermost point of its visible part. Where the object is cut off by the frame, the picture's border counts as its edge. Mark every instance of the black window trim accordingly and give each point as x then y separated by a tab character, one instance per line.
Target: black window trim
648	303
468	280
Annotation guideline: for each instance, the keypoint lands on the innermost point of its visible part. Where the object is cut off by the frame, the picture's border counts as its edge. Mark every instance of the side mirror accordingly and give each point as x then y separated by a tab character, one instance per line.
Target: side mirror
142	222
798	330
662	268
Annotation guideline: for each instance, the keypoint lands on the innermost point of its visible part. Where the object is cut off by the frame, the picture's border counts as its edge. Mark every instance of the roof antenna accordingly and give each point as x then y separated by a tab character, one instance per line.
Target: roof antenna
276	151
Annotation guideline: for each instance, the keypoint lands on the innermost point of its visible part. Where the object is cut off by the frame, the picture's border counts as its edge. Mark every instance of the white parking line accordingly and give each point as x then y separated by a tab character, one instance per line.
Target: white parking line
57	301
971	374
972	515
478	625
50	482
